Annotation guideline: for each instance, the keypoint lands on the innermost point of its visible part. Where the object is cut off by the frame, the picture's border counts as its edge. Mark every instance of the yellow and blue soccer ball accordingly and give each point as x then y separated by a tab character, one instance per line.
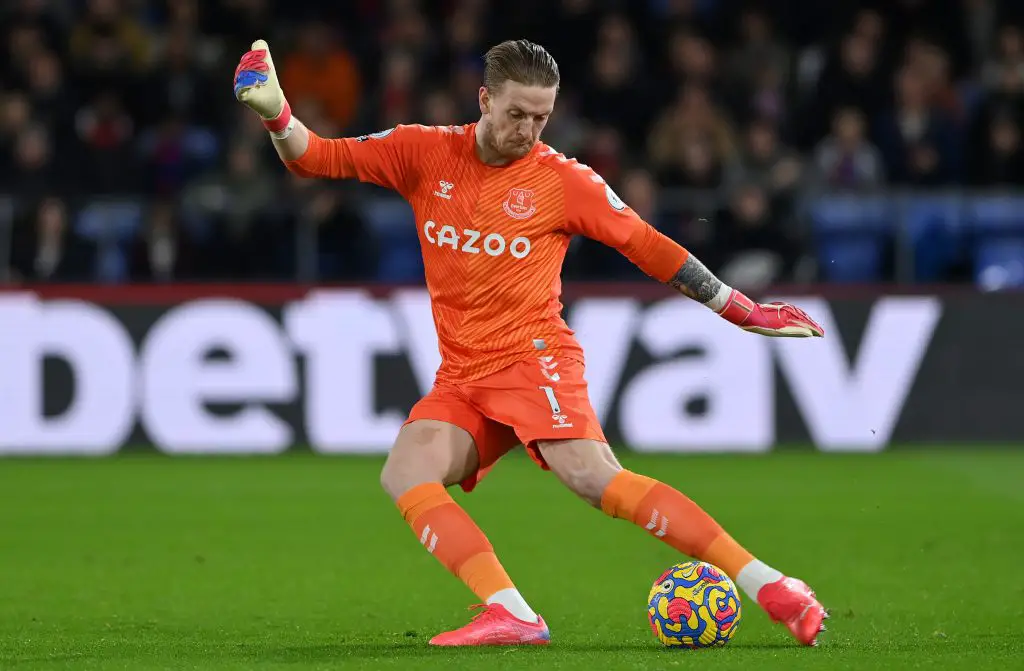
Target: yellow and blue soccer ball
694	605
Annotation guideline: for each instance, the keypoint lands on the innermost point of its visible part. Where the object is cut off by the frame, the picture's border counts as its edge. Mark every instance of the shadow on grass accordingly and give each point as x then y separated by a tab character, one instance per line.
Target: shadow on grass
13	662
370	650
356	649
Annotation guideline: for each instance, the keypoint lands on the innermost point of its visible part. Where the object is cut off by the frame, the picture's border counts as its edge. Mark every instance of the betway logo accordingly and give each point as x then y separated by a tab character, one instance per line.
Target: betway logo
469	242
166	382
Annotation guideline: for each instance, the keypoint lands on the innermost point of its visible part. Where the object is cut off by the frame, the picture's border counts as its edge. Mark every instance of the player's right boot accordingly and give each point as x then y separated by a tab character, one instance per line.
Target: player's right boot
792	602
494	625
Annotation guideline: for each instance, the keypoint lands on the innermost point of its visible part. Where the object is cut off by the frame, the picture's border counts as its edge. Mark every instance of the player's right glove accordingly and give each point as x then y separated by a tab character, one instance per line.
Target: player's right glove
776	319
257	87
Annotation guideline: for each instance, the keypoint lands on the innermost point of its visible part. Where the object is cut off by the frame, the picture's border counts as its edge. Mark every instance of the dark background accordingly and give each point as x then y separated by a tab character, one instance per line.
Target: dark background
730	125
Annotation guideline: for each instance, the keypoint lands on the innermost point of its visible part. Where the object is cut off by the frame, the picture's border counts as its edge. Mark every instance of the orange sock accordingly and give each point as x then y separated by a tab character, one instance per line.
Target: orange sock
669	515
448	533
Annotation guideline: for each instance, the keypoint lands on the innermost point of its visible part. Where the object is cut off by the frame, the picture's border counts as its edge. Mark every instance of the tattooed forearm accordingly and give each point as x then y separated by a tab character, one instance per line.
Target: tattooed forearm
696	281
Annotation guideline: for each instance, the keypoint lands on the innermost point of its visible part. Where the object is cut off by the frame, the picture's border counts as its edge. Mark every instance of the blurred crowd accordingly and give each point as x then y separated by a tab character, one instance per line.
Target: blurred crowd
126	158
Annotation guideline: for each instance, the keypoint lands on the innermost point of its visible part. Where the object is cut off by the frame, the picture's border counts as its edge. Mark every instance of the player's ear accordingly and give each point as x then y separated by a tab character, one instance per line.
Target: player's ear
485	101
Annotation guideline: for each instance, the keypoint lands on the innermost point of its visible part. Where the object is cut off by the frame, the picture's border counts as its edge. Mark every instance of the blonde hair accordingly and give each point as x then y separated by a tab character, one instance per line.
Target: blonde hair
519	61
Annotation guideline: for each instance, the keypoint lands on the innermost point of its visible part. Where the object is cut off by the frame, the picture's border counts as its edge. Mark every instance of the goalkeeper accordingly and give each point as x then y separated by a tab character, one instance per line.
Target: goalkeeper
495	209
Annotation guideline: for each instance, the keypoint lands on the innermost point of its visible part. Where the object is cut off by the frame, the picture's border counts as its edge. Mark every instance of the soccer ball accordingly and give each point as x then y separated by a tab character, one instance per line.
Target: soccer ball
694	605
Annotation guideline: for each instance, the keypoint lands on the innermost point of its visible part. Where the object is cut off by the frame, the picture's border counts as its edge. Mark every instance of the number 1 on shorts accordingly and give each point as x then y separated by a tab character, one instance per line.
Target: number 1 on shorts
552	401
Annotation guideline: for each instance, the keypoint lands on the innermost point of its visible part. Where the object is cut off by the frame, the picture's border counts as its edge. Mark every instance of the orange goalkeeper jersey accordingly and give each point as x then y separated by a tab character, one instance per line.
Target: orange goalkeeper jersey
493	238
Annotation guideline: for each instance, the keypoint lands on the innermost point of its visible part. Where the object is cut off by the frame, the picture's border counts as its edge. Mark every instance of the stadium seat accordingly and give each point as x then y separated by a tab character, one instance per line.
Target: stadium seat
112	223
389	218
996	227
401	265
850	213
935	233
392	223
999	263
118	218
329	265
851	260
852	233
996	215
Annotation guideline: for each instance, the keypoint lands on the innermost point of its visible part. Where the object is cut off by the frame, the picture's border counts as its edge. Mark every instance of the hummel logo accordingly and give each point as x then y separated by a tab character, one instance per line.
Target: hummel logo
547	363
432	537
650	526
445	188
562	424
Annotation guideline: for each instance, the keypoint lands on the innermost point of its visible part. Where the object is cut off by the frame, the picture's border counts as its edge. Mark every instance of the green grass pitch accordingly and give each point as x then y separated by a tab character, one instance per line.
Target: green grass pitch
301	562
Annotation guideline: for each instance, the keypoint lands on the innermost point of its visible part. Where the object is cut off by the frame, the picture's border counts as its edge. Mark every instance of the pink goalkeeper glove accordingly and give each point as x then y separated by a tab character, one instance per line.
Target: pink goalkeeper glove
780	320
257	86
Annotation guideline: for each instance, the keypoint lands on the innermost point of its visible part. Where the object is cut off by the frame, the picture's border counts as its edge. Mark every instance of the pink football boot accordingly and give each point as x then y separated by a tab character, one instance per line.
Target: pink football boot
792	602
494	625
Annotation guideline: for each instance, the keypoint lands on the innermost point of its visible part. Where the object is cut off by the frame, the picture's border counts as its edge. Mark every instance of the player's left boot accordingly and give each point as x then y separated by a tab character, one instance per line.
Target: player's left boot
792	602
494	625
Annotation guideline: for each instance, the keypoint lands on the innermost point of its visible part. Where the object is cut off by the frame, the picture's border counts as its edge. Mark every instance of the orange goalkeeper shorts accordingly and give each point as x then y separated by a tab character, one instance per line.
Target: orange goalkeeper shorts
537	399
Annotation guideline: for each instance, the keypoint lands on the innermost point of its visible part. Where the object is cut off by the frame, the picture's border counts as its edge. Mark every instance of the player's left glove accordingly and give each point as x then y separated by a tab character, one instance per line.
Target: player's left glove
776	319
257	87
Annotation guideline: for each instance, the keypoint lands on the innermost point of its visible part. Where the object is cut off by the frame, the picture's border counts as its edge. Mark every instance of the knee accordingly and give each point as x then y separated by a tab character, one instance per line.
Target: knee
590	485
402	471
392	479
585	467
427	452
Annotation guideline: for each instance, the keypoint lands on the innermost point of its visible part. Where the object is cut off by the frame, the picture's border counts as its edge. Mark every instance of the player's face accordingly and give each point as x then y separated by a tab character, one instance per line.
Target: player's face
515	115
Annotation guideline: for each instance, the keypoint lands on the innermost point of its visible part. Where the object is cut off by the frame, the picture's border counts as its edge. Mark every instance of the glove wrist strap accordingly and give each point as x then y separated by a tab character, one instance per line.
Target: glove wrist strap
738	307
281	126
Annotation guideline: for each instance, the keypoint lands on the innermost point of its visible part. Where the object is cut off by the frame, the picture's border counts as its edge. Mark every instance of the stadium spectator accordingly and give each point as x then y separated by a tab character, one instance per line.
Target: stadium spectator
604	152
440	108
1008	59
853	76
572	32
328	225
846	160
764	159
396	99
408	29
48	90
320	70
614	93
128	99
917	139
178	85
110	47
1006	100
750	242
235	22
45	249
15	117
691	141
980	20
162	253
41	21
767	96
759	70
932	64
465	82
1001	161
105	135
692	59
35	169
465	41
227	210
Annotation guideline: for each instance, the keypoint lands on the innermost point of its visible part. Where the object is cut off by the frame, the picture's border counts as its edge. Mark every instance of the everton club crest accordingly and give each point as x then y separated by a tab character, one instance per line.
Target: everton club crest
519	204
